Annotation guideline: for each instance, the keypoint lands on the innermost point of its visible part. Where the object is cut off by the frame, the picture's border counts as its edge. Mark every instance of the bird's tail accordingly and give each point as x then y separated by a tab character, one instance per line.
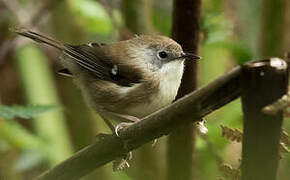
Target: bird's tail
40	38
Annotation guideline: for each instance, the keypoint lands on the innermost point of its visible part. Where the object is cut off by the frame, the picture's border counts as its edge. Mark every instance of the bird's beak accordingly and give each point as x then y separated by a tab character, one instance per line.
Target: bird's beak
190	56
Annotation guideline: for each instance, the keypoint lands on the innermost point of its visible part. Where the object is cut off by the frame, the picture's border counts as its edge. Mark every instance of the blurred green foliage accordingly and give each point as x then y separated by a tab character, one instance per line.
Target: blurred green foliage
28	160
216	27
17	136
25	112
39	87
91	16
161	20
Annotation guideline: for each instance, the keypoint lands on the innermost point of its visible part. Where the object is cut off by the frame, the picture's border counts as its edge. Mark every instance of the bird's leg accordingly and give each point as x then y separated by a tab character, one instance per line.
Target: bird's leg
119	117
123	124
109	124
125	120
127	124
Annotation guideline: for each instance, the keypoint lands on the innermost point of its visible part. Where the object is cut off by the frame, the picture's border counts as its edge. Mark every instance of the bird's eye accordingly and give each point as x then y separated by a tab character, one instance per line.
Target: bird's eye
162	54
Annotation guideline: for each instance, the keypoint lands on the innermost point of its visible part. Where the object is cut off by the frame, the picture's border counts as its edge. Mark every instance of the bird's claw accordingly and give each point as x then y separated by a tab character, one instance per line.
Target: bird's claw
121	126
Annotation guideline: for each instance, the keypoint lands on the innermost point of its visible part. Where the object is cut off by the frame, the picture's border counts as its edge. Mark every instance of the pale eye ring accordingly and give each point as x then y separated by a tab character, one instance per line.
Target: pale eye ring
162	54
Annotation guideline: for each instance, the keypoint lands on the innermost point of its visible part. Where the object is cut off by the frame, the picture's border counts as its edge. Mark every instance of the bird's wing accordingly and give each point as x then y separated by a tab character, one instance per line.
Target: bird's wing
92	58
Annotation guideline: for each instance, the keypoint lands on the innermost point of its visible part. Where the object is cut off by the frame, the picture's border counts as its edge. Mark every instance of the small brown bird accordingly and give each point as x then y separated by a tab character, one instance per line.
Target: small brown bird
125	80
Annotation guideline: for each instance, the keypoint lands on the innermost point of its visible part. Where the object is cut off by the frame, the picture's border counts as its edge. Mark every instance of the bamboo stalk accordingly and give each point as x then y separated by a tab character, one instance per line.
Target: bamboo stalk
181	142
146	163
272	28
263	83
38	83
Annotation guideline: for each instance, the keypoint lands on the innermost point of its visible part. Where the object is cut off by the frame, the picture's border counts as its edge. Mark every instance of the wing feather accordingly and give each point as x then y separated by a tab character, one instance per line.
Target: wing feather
102	66
92	58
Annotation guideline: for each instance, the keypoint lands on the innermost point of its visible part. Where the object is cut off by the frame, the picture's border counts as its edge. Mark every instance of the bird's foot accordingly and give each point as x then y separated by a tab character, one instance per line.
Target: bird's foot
121	126
131	119
128	118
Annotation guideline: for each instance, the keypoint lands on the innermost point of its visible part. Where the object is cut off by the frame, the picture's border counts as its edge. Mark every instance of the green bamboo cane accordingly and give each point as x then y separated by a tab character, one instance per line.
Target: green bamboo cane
39	87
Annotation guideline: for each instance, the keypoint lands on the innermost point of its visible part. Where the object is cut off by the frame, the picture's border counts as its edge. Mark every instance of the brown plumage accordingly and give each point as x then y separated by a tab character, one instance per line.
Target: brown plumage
134	77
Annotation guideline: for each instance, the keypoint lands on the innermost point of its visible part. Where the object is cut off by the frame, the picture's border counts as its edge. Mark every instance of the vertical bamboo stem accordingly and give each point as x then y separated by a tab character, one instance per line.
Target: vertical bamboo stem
263	83
186	21
272	28
39	87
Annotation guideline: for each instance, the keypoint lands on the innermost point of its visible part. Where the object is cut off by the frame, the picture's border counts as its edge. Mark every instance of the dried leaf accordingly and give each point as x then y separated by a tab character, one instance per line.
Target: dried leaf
283	148
232	134
122	163
285	138
281	104
200	127
231	172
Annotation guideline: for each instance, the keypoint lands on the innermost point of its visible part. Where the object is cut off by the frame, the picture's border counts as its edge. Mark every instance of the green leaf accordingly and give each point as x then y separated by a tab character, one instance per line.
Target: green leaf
217	27
25	112
92	16
241	51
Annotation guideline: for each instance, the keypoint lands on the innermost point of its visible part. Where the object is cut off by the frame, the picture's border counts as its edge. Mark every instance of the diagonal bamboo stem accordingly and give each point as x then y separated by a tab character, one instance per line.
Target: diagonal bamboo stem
108	147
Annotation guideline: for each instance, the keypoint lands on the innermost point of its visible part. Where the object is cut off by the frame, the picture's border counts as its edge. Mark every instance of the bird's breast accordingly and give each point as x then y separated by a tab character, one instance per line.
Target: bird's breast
169	82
